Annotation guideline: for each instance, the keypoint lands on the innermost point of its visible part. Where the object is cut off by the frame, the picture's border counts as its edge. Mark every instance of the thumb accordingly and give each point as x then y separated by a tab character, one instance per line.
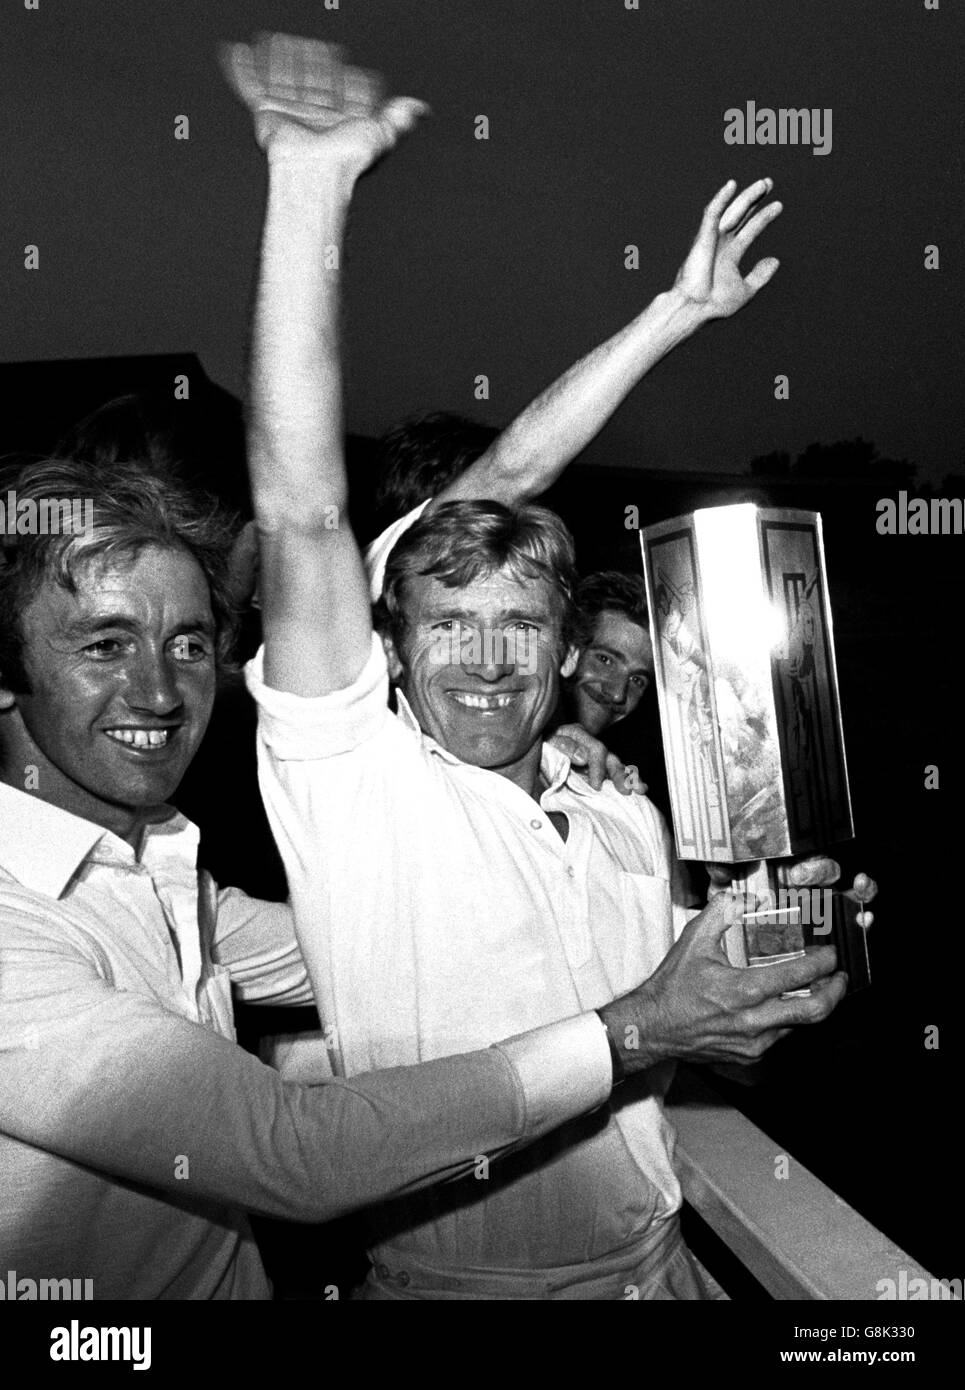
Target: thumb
764	271
403	113
724	911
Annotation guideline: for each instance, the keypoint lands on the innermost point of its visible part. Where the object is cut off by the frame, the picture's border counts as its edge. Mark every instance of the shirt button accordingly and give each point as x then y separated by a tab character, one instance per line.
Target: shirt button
570	870
536	824
403	1279
382	1271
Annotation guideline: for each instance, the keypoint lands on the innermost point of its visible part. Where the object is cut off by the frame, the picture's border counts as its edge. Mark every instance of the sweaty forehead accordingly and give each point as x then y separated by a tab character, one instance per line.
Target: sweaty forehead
156	584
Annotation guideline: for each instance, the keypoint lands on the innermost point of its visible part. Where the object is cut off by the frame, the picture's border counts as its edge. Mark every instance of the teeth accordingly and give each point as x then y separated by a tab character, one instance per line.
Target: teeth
482	701
140	738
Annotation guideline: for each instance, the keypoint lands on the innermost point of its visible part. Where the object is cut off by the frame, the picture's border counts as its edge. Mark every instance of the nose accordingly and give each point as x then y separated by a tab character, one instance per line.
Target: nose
491	656
491	670
615	690
152	685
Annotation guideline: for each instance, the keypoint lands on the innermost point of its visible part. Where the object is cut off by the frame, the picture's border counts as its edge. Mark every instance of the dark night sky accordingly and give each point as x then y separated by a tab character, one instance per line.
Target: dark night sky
506	257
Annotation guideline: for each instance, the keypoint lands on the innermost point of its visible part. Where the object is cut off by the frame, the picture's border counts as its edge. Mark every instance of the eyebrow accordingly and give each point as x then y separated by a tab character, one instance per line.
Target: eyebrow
612	651
104	622
529	615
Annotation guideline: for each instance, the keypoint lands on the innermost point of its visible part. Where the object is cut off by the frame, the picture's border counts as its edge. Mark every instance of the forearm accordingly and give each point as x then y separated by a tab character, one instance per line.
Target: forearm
535	449
295	425
122	1087
314	596
255	941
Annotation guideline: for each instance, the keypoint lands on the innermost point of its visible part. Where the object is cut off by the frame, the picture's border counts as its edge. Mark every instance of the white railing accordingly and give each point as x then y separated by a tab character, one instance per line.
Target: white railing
795	1236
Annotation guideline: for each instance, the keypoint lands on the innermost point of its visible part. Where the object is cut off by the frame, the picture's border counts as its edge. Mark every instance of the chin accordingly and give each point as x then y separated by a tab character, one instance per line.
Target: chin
478	755
592	720
140	795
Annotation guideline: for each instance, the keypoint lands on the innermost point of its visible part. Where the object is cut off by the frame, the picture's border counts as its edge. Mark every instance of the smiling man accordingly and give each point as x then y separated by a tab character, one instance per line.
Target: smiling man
114	752
134	1133
451	613
451	876
615	665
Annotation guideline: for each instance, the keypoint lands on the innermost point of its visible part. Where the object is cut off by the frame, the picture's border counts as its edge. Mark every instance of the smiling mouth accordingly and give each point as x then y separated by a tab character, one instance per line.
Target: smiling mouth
482	702
142	740
599	699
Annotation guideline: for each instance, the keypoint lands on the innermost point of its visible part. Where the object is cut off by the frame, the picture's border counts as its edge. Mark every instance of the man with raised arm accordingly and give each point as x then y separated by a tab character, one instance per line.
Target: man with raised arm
450	876
531	453
134	1132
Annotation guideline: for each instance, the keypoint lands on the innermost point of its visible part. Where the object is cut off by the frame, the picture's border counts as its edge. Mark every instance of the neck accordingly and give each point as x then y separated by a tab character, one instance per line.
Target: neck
525	772
24	768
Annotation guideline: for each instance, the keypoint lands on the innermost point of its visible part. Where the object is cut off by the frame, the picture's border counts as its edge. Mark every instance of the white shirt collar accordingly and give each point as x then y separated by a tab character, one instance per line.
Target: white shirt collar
42	846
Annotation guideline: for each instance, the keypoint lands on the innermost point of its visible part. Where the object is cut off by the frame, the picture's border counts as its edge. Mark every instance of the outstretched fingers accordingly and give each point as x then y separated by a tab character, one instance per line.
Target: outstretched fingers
764	271
364	92
753	227
707	231
301	69
308	81
742	204
238	65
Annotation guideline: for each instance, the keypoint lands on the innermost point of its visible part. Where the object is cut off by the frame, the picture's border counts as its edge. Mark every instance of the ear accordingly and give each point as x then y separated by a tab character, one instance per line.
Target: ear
570	662
393	659
7	698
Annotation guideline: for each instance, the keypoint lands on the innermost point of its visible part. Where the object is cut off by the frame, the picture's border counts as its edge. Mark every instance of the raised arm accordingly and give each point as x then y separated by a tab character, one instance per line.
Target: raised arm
321	124
534	450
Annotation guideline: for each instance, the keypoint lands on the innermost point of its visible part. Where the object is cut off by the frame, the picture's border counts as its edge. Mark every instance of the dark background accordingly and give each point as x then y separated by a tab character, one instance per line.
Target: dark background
506	257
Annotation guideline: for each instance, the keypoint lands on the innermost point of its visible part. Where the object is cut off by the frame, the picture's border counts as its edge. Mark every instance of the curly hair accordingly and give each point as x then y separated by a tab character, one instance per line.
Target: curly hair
460	542
101	513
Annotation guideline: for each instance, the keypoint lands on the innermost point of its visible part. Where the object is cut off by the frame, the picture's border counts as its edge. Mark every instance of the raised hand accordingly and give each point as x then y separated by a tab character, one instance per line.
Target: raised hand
308	105
710	276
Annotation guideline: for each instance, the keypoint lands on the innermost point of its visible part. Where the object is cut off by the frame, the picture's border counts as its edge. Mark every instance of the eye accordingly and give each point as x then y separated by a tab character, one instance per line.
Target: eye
601	658
523	626
103	648
445	626
640	681
189	648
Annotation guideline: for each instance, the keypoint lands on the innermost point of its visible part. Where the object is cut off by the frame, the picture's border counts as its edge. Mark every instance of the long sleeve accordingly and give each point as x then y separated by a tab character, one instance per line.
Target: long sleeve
255	941
111	1080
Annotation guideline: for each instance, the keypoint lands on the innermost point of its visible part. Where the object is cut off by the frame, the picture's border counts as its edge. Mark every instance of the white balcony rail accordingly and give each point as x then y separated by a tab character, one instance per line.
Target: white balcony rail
795	1236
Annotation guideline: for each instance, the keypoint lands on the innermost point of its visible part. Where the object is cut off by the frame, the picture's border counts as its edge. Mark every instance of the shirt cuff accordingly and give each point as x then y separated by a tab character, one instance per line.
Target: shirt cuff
301	727
564	1070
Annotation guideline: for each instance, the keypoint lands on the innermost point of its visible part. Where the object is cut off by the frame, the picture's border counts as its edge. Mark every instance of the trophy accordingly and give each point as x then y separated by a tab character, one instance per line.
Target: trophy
748	693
